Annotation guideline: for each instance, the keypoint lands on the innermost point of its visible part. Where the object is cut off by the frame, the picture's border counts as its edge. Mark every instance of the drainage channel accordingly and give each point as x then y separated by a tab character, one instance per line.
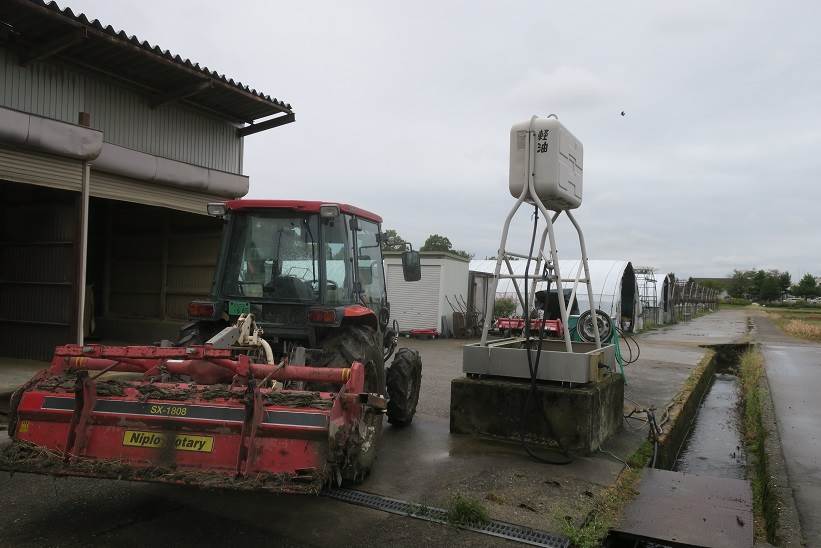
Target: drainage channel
499	529
715	445
700	496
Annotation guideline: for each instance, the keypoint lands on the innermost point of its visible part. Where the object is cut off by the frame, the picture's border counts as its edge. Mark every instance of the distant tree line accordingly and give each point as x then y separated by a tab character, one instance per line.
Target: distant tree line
806	287
769	285
435	242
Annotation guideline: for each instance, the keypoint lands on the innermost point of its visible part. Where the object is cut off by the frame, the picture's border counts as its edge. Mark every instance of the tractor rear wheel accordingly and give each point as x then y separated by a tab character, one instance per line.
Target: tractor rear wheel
362	344
404	378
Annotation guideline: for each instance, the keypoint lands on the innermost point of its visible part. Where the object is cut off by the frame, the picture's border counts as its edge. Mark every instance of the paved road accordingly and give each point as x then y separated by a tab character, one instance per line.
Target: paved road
794	373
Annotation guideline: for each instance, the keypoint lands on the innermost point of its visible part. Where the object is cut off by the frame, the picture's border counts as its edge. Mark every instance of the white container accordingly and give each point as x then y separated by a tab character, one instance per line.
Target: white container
556	157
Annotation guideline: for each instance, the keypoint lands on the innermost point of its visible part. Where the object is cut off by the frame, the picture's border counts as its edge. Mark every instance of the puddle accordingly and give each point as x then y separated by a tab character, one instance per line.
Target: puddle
715	445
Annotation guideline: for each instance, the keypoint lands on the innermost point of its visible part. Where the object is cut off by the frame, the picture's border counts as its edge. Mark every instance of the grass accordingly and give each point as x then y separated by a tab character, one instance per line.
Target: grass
803	323
466	511
610	503
751	369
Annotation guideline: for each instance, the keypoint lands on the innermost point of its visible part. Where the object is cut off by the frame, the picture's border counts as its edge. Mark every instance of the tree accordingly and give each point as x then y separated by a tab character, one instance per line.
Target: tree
806	287
435	242
504	307
391	241
784	281
770	289
462	253
760	285
739	286
757	280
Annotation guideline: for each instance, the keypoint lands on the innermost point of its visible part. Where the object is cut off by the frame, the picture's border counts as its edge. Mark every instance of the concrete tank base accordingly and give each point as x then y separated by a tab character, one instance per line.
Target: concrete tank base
581	418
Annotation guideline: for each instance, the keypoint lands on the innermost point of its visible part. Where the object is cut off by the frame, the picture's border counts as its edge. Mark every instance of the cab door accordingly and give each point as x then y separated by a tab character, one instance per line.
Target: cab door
370	273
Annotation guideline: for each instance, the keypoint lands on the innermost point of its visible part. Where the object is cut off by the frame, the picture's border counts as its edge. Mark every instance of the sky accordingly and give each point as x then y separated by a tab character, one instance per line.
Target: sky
405	108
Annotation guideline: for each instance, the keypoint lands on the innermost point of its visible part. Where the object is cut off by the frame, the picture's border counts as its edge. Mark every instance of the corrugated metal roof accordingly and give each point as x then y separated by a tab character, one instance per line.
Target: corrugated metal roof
606	276
35	27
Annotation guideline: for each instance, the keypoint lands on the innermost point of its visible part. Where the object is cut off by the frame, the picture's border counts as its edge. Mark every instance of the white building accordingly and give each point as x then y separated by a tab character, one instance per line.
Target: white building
424	304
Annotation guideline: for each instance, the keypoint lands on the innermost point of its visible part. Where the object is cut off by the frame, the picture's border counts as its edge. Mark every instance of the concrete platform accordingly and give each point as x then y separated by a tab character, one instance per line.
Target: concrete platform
690	510
577	419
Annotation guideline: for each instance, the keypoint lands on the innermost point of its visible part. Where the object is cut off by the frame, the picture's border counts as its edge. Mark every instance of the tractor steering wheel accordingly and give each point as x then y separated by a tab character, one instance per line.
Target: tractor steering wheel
329	284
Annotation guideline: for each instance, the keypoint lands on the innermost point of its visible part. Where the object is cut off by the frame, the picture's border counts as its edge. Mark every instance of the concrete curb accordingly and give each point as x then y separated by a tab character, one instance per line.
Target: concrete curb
683	411
788	532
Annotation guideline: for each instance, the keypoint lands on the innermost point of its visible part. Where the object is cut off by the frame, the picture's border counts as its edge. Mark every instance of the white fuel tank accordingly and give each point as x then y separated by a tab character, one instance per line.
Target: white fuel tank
557	158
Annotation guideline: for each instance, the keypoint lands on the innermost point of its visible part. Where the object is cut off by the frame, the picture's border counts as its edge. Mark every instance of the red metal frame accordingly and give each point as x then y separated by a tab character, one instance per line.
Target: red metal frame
518	324
424	332
301	205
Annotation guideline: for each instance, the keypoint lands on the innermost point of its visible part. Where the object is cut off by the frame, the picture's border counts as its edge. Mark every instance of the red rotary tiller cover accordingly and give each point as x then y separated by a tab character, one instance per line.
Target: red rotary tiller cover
231	424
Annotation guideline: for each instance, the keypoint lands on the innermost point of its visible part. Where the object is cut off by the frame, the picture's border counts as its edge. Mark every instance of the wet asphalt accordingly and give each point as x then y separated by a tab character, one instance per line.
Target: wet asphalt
72	512
422	463
794	374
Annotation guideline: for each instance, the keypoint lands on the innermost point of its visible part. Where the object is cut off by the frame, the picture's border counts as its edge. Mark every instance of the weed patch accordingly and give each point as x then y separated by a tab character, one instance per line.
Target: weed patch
802	329
466	511
610	503
803	323
751	369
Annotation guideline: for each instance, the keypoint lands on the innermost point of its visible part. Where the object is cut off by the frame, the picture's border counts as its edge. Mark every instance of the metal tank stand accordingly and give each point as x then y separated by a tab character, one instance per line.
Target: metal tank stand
571	362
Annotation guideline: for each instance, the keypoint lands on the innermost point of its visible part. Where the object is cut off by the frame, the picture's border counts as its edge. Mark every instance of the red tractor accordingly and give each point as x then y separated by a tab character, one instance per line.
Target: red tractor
278	382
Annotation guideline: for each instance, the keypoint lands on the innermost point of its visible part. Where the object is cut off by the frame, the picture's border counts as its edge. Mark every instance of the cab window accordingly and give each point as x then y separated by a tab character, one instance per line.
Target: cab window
338	261
369	262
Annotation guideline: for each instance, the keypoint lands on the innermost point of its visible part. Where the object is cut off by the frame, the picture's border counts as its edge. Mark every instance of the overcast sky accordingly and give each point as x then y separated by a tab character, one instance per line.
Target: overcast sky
405	109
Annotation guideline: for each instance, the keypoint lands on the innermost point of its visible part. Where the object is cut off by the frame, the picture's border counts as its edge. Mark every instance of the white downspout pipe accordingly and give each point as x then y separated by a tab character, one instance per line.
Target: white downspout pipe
83	253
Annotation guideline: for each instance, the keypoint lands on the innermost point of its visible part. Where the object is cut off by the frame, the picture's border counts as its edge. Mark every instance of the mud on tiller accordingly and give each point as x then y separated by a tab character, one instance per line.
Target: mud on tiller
202	415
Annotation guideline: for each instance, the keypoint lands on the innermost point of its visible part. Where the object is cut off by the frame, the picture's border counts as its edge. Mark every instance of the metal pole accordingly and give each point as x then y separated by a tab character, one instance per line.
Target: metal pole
83	253
554	257
491	297
593	307
541	255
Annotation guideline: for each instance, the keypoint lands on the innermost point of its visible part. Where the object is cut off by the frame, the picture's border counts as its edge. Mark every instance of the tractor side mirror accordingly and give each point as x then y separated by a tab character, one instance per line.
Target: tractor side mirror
411	266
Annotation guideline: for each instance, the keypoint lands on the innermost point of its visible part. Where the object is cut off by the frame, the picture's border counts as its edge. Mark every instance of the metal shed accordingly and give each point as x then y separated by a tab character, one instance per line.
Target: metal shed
648	296
614	286
668	298
110	149
424	304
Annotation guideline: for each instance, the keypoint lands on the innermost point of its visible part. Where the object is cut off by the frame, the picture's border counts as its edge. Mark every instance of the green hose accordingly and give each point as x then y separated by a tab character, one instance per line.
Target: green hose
619	359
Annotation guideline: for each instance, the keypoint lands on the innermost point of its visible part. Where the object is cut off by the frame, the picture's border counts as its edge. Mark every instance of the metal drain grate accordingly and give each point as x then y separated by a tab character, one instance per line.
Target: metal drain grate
500	529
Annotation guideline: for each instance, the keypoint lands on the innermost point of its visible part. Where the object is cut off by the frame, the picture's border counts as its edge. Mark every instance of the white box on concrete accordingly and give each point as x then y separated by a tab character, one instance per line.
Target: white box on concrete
422	304
557	162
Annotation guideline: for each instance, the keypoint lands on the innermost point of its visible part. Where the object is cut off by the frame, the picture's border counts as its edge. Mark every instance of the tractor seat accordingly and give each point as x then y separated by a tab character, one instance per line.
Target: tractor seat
289	287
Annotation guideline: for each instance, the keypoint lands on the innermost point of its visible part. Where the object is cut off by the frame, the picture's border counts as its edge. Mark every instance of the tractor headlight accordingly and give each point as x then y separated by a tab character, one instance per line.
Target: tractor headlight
329	211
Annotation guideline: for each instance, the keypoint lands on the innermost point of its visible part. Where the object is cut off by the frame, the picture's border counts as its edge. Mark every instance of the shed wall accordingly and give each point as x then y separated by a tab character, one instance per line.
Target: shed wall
454	283
124	116
414	305
421	305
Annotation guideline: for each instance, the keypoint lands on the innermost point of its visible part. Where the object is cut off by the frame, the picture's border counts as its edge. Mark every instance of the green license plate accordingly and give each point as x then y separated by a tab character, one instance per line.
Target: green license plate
235	308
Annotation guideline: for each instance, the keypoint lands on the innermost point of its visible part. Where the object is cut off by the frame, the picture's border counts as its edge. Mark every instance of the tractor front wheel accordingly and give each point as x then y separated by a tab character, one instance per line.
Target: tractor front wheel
404	378
362	344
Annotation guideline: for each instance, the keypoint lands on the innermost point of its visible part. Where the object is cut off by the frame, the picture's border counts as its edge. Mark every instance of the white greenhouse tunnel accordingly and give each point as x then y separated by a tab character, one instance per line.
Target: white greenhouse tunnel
613	281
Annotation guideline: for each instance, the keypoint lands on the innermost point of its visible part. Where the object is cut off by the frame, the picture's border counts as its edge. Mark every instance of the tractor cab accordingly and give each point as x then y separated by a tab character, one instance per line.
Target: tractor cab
300	267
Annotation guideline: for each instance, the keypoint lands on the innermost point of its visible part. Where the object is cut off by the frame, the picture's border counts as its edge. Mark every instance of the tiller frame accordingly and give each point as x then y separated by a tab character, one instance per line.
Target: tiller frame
281	439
